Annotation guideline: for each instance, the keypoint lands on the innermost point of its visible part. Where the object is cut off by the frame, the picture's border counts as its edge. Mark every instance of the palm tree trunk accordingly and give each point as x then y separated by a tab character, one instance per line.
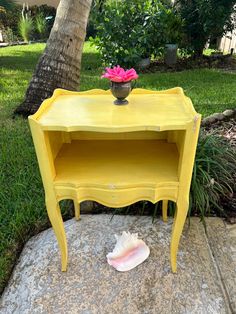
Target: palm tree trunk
59	65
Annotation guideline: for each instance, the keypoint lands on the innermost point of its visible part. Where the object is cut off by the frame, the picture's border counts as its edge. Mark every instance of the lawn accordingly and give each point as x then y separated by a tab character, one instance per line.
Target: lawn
22	209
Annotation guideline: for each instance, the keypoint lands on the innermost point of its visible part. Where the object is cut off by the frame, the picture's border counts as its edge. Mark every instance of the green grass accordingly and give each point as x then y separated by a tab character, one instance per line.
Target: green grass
22	209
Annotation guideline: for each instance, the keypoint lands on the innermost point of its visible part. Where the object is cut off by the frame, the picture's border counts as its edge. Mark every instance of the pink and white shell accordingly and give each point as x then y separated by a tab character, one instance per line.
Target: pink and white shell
128	253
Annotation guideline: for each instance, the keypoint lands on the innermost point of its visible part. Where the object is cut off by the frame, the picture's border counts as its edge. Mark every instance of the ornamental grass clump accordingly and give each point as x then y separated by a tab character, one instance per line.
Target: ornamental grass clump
26	28
213	176
41	25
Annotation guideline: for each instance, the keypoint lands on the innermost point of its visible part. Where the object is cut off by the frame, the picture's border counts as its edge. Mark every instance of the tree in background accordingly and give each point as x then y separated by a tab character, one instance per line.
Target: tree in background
59	66
205	20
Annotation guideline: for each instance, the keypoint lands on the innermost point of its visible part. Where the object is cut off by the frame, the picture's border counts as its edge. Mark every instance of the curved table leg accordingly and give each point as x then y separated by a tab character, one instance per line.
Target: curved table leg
77	210
54	214
164	210
179	220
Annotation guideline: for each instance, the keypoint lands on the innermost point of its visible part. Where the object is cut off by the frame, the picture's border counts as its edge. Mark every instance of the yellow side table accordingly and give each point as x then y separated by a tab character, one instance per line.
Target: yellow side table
90	149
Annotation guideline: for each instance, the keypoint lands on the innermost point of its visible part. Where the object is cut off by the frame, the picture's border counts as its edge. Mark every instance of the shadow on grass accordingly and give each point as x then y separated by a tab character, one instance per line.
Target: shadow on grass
22	61
26	61
91	61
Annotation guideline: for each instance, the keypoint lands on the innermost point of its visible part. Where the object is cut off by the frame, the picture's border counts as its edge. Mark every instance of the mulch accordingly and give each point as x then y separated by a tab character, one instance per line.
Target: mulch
223	62
224	129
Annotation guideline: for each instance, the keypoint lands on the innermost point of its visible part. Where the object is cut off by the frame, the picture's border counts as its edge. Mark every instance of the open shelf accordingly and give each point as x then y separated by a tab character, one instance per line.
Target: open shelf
117	164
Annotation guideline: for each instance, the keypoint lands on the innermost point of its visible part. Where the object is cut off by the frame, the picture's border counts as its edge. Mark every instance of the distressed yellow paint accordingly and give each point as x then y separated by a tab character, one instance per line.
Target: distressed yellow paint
90	149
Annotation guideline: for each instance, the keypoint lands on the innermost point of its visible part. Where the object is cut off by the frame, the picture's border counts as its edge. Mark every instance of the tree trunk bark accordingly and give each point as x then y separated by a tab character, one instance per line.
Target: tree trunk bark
59	65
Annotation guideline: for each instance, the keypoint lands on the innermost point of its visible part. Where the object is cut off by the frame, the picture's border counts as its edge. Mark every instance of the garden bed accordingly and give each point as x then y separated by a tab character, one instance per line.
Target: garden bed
223	62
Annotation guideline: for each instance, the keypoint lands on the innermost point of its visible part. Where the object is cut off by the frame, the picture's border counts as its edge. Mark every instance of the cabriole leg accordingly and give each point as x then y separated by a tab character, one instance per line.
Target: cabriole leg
77	210
54	214
179	220
164	210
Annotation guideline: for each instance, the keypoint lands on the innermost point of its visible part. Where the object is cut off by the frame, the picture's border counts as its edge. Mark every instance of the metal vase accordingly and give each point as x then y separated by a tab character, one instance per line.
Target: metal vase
121	90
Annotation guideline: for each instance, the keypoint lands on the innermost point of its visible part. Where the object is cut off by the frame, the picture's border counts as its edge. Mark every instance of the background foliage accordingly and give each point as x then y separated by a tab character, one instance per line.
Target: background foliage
205	20
11	21
128	31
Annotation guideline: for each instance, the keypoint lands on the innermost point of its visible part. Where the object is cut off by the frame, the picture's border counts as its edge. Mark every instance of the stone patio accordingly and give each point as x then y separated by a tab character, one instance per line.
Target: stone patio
205	282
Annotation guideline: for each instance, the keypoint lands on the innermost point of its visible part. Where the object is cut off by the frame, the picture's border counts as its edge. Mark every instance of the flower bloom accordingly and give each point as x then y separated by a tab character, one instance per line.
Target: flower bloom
118	74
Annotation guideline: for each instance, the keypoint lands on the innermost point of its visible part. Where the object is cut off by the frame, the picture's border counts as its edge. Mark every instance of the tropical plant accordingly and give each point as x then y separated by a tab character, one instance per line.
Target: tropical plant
41	25
26	28
213	176
205	20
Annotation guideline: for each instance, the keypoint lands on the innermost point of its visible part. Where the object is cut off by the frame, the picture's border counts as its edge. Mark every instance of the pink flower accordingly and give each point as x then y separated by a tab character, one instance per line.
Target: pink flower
118	74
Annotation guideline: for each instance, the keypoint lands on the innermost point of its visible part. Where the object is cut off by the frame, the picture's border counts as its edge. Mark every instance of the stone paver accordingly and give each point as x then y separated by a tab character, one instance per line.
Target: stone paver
92	286
222	240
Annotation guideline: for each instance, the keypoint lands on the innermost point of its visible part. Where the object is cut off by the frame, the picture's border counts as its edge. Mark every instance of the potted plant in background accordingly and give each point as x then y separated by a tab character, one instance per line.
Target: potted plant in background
120	82
174	34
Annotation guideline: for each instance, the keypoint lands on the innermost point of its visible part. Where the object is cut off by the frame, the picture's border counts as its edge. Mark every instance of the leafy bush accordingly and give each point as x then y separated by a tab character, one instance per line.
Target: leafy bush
173	24
213	175
26	28
205	20
41	25
128	31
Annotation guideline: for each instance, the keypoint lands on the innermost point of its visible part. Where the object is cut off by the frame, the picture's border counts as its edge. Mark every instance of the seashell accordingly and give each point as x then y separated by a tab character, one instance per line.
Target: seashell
128	253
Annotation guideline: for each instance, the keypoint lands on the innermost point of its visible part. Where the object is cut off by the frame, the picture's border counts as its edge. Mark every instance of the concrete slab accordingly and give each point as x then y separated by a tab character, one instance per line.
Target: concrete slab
92	286
222	240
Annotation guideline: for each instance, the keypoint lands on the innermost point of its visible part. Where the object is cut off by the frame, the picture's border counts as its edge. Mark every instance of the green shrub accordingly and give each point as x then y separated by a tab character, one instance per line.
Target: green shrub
26	28
128	31
41	25
213	176
173	24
